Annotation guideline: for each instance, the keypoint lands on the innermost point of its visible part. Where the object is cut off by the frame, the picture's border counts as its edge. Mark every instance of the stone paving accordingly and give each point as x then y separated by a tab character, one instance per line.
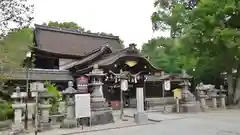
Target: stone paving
210	123
117	125
219	122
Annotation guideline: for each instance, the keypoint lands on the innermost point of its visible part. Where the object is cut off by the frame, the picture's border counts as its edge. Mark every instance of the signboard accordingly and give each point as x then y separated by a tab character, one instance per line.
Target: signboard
167	85
82	84
177	93
82	105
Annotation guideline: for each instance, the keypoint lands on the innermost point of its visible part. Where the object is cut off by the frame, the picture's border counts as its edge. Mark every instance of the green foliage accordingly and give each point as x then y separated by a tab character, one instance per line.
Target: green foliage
207	31
57	96
169	15
66	25
6	111
166	53
13	49
17	12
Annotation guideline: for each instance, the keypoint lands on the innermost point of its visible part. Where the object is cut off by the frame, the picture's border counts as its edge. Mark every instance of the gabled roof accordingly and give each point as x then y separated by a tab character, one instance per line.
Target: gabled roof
88	58
71	42
103	59
130	51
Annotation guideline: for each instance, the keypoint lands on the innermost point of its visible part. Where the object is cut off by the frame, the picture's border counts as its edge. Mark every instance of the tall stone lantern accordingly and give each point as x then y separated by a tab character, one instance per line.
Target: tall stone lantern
18	107
99	107
45	107
42	112
188	101
69	121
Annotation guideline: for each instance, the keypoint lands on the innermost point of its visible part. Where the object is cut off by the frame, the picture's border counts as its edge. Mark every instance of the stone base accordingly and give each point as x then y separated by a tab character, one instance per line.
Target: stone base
69	123
140	118
95	106
16	130
188	107
102	117
44	126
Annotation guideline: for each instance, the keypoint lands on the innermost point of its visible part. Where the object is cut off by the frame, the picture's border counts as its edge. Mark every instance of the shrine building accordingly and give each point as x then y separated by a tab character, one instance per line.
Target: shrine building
61	55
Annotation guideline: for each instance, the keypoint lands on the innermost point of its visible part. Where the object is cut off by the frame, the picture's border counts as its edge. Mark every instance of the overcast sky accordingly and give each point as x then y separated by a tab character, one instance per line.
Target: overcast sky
128	19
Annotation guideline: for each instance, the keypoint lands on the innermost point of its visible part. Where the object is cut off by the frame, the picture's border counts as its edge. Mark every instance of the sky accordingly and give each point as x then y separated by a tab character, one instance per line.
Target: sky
128	19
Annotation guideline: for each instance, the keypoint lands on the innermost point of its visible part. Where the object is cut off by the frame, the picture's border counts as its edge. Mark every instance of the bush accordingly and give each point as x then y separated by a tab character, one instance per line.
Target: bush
6	111
54	101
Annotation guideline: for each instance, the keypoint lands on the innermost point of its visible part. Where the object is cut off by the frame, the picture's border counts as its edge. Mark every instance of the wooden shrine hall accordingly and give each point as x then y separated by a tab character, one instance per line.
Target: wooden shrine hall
77	52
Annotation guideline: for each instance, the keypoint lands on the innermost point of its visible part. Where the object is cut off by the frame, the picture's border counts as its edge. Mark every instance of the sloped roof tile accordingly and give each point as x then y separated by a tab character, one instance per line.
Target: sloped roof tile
72	42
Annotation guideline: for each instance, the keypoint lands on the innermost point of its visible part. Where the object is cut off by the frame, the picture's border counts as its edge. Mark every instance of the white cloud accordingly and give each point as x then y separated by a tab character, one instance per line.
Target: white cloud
129	19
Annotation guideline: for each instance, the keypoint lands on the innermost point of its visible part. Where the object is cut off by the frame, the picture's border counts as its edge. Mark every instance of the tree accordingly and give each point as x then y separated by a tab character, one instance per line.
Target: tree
166	53
14	12
212	34
13	47
207	29
65	25
169	15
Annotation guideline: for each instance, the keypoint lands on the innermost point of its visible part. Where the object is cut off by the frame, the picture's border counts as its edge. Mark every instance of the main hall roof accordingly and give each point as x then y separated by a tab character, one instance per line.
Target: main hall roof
72	42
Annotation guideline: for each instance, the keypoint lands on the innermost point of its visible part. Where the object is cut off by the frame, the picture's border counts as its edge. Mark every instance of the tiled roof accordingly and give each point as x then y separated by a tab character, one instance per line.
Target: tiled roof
72	42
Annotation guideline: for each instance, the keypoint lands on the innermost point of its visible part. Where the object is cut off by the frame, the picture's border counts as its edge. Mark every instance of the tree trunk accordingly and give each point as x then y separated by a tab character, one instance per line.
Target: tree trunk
236	93
230	88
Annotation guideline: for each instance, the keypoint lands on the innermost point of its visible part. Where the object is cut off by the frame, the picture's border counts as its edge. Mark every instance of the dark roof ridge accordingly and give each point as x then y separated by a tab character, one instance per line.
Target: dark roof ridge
74	31
120	51
103	47
92	55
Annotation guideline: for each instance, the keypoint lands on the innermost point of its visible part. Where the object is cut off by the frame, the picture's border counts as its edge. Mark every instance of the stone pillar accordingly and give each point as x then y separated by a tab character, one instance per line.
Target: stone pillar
202	97
18	107
222	96
70	120
140	116
214	98
62	107
31	110
222	101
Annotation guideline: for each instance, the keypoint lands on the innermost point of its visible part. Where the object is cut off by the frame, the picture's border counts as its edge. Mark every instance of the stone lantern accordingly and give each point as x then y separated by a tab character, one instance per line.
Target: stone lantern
188	101
99	107
18	107
69	121
45	107
42	115
202	90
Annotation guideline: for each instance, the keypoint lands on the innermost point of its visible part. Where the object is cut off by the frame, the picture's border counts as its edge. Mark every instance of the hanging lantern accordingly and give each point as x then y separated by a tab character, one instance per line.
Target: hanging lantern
124	84
116	80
